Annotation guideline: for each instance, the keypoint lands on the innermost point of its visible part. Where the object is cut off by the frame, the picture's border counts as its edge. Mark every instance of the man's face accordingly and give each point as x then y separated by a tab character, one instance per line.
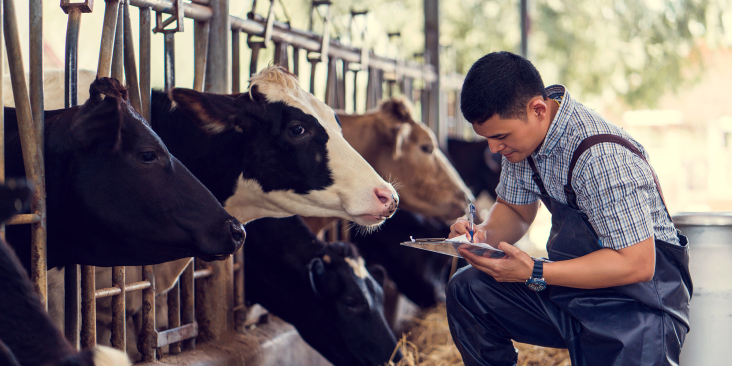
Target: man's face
516	138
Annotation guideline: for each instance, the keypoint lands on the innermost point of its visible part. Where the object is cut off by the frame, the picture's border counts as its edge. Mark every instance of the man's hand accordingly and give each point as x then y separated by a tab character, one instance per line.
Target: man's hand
516	266
462	227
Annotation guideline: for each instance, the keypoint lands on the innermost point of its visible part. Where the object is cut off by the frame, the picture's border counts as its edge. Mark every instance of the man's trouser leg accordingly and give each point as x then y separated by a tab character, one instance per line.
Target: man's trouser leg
605	327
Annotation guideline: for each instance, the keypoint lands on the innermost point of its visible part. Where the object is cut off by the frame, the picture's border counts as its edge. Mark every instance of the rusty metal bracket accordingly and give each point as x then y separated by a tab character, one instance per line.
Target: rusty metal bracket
86	7
362	33
177	17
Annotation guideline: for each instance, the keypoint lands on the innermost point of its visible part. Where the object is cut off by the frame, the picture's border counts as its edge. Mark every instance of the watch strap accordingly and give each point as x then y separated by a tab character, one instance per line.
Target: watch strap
538	269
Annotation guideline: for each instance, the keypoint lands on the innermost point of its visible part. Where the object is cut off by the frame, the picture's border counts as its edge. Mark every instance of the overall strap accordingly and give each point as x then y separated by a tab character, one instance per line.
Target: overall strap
536	178
593	140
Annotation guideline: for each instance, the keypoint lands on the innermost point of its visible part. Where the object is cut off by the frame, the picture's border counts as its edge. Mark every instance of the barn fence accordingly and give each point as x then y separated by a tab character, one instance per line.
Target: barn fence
195	307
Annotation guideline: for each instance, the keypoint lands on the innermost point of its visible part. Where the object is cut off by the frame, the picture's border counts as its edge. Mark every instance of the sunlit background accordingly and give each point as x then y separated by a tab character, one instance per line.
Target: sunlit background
660	69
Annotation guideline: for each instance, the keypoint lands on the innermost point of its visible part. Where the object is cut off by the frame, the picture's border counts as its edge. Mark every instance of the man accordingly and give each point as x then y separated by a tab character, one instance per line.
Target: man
616	290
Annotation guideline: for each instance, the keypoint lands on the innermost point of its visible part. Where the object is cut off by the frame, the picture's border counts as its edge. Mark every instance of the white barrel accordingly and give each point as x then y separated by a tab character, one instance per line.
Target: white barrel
709	342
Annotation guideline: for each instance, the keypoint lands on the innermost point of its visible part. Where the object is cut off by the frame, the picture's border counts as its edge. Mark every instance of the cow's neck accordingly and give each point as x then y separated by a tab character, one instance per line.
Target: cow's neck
249	203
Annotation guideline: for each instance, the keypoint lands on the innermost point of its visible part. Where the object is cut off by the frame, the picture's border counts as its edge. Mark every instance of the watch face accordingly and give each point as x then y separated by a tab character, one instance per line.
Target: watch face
536	284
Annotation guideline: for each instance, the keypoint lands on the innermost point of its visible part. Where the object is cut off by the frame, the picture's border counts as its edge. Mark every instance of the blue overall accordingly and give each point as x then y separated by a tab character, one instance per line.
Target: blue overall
637	324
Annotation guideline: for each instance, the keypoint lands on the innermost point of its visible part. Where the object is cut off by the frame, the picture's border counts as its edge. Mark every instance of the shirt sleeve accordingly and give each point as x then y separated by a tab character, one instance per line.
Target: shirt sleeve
511	189
615	189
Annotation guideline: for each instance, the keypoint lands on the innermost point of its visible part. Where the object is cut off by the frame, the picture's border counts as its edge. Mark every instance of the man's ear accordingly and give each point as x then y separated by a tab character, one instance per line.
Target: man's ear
214	113
538	107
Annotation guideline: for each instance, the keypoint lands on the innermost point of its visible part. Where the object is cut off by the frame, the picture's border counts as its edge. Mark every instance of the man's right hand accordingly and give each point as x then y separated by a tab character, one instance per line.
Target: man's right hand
462	227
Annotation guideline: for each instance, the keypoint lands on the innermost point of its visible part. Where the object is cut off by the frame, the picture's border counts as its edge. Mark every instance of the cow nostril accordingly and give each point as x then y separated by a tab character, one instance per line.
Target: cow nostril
382	195
237	231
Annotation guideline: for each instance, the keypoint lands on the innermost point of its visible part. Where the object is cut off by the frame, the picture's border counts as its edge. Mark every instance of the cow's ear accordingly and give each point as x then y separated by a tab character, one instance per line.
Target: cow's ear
98	123
397	108
378	272
316	271
214	113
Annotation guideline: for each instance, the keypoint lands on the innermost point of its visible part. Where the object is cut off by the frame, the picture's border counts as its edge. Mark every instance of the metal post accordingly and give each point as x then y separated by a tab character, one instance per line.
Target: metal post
200	38
118	70
174	314
187	303
235	64
32	150
88	308
169	50
119	334
432	57
133	84
524	28
108	34
214	299
148	338
218	69
296	61
145	30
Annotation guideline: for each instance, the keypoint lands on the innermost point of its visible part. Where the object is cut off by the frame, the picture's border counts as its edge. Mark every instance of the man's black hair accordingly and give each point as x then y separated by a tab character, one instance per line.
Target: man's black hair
499	83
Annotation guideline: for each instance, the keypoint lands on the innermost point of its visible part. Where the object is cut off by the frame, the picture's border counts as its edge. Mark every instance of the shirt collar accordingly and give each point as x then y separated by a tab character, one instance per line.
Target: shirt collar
560	121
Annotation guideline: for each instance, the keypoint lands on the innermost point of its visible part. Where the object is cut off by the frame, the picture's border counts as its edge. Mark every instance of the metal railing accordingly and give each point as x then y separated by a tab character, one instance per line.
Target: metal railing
215	280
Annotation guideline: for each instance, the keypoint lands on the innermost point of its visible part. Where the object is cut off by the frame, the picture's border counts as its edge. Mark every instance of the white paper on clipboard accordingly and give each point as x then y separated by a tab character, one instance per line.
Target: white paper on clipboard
450	247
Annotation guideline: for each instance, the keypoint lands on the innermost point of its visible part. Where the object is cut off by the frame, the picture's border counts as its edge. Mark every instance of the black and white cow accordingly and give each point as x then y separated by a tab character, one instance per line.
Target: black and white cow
476	164
115	194
324	290
27	335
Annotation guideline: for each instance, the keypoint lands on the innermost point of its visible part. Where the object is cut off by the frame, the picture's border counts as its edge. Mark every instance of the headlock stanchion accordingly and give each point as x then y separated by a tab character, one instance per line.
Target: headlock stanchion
220	288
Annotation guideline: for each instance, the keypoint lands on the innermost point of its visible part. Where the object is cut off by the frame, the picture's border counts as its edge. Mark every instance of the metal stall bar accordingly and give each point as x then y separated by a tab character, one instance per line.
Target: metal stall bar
71	73
312	42
2	117
32	147
235	63
200	38
130	65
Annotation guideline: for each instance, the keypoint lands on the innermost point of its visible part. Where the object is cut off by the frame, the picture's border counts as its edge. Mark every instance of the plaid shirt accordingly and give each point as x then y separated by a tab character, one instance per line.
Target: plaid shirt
614	187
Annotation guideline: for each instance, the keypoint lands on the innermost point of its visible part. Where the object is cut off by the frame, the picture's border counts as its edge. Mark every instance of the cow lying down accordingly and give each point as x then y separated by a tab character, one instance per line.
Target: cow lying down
27	335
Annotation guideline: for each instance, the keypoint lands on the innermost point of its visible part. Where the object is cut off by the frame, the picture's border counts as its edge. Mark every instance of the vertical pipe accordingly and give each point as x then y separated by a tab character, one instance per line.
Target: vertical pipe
147	342
200	39
133	85
174	314
313	65
296	61
355	91
187	303
218	67
71	95
108	33
36	67
145	30
524	28
118	70
88	308
214	300
255	47
119	335
432	57
235	64
239	297
31	147
71	90
169	50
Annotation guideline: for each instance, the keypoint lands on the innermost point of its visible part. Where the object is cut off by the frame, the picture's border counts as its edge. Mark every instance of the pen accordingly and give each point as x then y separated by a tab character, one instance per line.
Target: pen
471	217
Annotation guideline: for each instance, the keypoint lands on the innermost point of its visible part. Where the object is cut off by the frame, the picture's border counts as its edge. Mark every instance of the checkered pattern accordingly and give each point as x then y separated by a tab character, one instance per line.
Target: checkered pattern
614	187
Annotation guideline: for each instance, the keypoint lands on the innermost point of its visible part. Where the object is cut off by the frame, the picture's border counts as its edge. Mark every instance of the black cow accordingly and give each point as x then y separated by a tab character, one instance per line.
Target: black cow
115	195
322	289
476	164
420	275
27	335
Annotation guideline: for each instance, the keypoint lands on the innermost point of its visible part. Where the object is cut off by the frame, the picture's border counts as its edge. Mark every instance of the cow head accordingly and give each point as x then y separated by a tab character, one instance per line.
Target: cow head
407	151
293	155
115	190
352	299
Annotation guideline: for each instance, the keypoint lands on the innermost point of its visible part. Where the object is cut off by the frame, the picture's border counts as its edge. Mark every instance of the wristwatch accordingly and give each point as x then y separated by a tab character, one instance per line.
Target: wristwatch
536	281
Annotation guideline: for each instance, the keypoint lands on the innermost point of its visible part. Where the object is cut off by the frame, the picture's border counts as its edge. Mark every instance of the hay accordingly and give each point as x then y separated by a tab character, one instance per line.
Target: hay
429	343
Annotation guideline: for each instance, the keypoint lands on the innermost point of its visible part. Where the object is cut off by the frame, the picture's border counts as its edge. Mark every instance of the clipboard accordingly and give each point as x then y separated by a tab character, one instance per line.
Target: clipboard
443	246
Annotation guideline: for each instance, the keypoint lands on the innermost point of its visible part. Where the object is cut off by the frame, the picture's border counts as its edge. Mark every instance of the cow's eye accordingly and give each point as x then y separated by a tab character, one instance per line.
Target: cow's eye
297	130
148	157
427	148
353	304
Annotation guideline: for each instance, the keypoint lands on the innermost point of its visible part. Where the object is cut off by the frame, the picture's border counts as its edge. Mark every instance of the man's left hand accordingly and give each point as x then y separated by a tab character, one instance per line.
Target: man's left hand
516	266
